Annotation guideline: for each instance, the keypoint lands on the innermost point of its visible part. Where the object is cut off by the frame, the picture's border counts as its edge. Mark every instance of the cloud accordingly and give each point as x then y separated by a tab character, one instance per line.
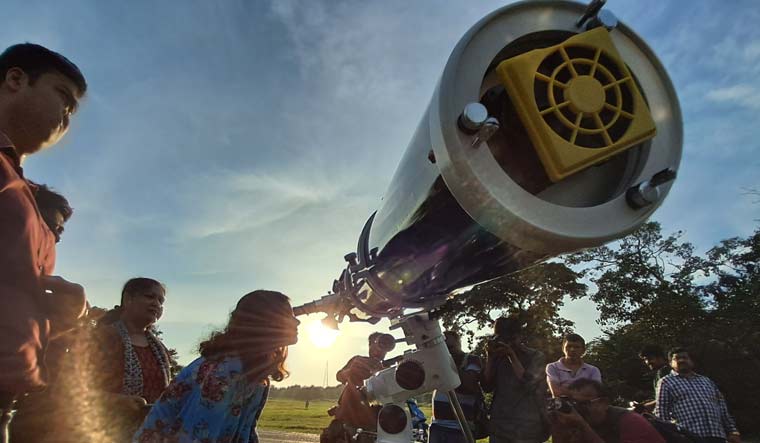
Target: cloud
227	202
743	95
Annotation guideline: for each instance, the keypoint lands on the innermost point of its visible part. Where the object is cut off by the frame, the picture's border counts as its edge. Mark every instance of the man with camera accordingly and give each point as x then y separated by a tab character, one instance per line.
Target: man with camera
515	375
586	416
352	413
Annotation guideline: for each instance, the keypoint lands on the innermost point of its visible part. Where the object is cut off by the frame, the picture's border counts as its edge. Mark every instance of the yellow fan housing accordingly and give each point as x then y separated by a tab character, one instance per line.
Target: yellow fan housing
578	102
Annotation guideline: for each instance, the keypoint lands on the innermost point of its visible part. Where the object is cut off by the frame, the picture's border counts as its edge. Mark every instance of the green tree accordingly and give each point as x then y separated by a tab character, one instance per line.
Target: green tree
535	294
646	280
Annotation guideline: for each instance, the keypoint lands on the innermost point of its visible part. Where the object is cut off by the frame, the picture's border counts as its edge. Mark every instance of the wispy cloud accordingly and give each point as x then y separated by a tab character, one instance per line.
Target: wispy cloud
227	202
743	95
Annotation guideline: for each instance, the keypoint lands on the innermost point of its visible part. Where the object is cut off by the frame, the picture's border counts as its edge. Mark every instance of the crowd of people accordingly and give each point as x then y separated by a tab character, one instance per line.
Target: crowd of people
568	401
71	373
532	401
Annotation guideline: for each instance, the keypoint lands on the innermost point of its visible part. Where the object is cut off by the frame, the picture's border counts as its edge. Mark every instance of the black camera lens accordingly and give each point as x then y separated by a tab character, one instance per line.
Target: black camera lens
561	404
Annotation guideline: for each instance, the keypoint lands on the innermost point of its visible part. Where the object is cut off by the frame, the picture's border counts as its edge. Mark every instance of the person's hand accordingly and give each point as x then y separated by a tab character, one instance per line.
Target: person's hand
638	407
509	350
360	369
66	301
734	438
572	418
497	349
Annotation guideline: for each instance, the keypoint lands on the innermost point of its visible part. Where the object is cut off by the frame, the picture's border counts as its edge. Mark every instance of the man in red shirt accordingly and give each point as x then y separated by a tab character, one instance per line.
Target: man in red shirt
39	92
595	421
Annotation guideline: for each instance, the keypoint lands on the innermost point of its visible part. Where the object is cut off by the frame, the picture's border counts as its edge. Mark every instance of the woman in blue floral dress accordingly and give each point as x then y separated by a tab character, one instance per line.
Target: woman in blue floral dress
219	397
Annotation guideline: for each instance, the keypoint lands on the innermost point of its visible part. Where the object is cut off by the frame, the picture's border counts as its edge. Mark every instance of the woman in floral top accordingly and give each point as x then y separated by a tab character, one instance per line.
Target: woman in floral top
220	396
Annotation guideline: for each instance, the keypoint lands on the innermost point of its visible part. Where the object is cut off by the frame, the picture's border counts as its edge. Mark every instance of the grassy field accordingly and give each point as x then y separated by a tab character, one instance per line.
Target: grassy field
291	416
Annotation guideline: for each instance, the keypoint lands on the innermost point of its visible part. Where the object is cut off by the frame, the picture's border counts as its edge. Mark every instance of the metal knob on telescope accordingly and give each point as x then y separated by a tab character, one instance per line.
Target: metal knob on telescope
605	19
472	118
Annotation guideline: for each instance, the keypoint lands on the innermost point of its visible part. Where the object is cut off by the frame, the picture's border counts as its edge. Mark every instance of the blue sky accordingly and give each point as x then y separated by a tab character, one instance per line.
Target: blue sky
227	146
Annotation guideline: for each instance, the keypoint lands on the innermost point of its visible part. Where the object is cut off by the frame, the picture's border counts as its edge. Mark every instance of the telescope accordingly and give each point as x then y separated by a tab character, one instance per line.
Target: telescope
553	128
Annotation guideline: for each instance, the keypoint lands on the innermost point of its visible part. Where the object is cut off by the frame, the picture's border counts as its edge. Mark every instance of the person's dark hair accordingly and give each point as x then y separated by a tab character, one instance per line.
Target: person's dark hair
678	350
136	285
36	60
652	351
508	326
46	198
574	338
131	287
600	388
386	341
249	333
373	336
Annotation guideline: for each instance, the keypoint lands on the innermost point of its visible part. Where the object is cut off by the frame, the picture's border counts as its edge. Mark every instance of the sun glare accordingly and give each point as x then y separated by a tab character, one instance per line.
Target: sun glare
320	335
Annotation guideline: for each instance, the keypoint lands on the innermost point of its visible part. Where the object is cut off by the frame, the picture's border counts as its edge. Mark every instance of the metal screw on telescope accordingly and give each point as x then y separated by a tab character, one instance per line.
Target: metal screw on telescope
647	192
474	120
603	18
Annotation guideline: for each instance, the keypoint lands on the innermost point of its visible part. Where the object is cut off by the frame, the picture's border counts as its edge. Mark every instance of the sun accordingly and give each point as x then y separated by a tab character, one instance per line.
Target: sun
320	335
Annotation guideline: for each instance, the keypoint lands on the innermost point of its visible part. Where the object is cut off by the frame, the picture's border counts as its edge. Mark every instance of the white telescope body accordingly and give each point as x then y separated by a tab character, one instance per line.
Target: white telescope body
474	199
458	213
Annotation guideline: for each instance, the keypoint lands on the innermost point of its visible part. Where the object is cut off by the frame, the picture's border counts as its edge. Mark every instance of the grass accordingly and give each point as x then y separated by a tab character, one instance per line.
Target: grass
291	416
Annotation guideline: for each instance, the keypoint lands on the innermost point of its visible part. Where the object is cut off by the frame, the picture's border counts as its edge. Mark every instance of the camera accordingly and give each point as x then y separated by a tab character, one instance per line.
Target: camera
560	404
497	341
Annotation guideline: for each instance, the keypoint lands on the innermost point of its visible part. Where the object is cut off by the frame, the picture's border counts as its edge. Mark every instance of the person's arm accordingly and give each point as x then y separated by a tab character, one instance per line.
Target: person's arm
533	372
517	366
596	374
66	304
494	355
22	338
650	405
552	379
729	425
342	374
663	405
634	428
356	371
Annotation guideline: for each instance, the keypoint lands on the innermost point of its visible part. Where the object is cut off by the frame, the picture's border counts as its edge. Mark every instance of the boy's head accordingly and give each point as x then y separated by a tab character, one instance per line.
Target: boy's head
39	92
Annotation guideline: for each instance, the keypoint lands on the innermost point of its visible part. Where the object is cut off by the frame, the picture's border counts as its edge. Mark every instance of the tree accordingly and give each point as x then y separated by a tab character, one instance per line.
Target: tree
536	294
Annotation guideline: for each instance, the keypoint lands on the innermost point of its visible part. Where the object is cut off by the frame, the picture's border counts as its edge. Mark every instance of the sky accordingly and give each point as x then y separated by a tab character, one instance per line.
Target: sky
227	146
